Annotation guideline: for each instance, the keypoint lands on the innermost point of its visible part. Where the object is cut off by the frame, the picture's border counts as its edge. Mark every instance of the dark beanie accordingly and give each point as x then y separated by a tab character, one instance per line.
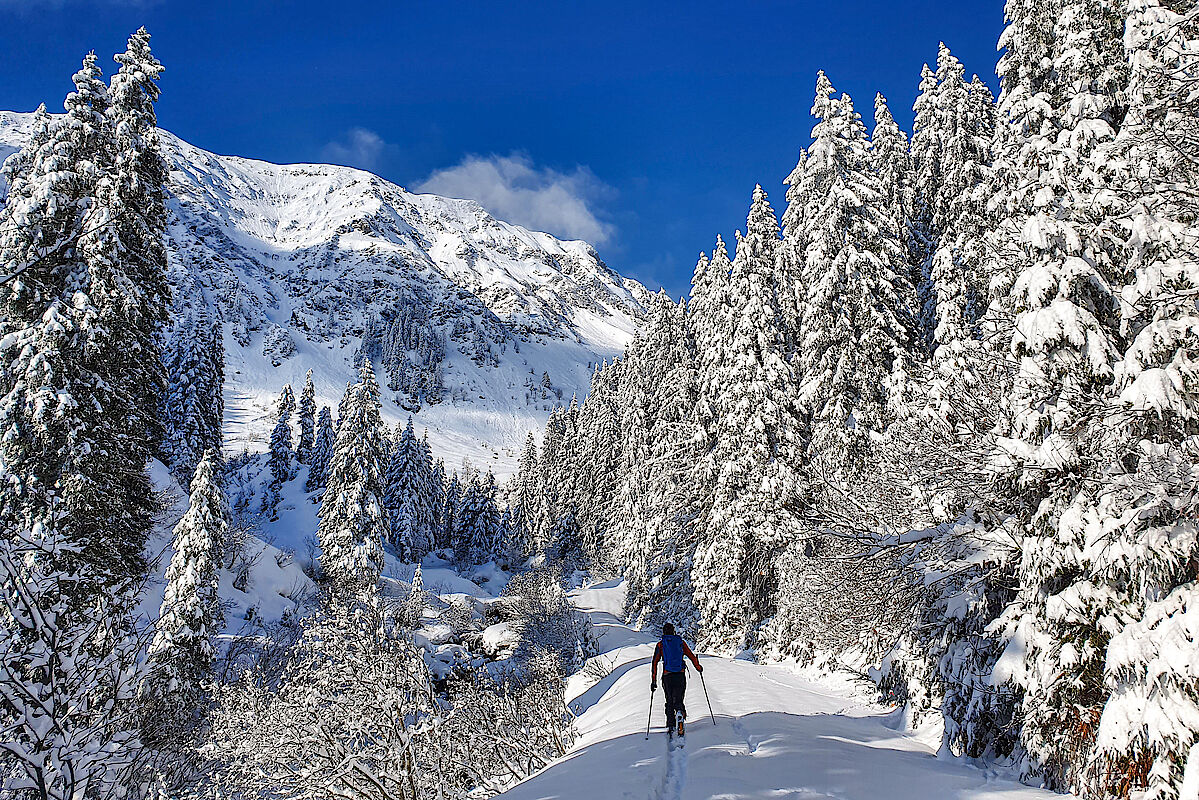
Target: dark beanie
668	629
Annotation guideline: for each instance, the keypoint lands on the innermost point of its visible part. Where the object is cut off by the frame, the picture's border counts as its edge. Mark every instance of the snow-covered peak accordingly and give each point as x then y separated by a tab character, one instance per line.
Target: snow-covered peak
304	261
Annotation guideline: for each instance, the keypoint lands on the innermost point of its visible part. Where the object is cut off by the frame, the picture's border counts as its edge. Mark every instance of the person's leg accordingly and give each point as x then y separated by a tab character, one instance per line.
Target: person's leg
670	687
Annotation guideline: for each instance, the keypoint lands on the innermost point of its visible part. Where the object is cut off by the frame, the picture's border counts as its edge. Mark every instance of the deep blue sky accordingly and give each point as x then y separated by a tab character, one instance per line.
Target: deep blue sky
672	110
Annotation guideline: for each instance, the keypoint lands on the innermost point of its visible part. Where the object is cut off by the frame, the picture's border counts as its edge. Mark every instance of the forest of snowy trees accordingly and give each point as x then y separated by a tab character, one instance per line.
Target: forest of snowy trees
103	371
937	423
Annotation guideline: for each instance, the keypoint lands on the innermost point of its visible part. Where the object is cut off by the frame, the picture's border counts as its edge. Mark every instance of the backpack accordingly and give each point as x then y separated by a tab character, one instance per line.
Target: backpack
672	653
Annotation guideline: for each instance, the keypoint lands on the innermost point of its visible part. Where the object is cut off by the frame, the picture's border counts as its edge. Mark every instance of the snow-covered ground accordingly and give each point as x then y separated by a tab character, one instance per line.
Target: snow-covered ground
777	736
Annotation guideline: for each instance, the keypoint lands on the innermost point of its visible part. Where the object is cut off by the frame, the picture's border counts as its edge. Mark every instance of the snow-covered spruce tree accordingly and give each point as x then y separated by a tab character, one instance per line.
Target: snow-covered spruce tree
181	653
68	675
1064	336
600	453
193	405
892	163
630	536
1150	547
323	445
306	421
672	492
758	441
477	533
523	497
129	285
926	152
552	474
853	357
438	479
963	119
450	507
68	316
353	523
285	406
709	314
853	327
409	497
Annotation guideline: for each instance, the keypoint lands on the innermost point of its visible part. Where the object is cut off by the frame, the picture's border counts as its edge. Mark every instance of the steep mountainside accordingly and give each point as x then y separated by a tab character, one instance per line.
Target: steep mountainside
310	266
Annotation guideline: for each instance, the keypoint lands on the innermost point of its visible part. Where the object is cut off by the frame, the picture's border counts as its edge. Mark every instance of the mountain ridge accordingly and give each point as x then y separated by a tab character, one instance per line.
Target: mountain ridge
314	265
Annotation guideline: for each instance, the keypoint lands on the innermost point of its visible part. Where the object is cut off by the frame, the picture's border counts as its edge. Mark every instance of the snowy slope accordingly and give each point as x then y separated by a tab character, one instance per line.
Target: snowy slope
299	259
776	736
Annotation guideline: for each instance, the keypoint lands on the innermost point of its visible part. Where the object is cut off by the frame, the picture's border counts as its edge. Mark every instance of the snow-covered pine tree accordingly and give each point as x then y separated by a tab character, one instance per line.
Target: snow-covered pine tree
672	493
600	454
65	409
926	151
409	497
709	312
285	406
629	544
551	474
486	535
282	457
438	480
476	537
1150	725
193	405
958	120
523	497
307	420
853	324
1065	342
353	523
323	444
892	163
450	509
131	289
181	654
758	442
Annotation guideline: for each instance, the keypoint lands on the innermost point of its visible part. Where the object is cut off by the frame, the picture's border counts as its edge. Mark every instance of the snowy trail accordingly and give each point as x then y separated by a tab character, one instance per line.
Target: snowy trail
777	736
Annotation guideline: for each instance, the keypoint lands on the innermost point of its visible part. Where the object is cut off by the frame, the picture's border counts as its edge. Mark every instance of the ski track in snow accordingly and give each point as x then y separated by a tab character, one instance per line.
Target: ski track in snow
675	776
778	736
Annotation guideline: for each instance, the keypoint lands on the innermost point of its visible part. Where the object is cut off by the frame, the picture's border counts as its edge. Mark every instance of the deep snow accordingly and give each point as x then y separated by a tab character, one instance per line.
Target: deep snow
778	736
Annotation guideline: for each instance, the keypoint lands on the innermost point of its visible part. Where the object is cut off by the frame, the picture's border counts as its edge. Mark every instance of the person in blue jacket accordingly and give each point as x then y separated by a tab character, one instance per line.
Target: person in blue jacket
671	650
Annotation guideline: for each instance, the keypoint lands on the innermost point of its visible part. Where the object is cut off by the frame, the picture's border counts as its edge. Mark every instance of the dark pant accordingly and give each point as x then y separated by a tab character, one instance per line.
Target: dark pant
674	686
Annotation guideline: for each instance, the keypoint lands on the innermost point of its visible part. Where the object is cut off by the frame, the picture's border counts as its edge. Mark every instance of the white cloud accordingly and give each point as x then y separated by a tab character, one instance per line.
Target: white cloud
359	148
542	199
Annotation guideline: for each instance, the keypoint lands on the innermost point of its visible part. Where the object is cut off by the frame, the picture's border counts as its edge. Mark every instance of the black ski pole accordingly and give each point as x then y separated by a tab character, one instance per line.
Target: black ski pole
652	688
705	685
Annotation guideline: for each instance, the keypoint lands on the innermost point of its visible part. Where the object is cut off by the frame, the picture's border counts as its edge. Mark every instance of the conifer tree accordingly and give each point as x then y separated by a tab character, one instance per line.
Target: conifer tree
476	537
892	164
450	511
353	524
307	420
409	496
322	450
853	324
131	288
193	405
285	406
523	498
67	404
1064	339
182	651
1150	724
758	441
